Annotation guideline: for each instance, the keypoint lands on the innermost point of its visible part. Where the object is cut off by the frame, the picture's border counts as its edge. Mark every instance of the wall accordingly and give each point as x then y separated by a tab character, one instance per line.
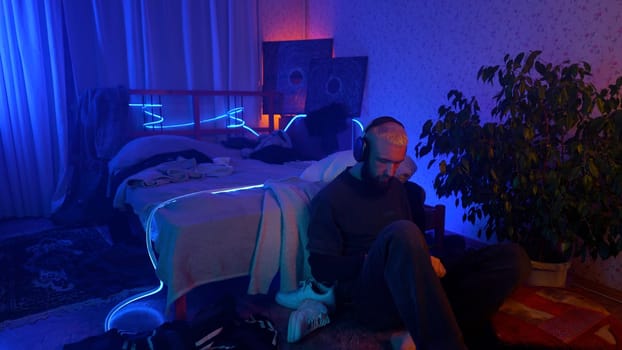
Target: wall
282	19
419	50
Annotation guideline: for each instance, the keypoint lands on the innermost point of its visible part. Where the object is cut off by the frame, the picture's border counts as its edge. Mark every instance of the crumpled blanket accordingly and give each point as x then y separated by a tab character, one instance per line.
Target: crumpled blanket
178	170
282	235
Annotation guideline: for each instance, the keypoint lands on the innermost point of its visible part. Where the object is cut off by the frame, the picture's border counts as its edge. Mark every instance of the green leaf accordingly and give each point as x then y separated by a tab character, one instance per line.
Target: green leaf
530	60
593	169
431	162
442	166
540	68
519	59
600	104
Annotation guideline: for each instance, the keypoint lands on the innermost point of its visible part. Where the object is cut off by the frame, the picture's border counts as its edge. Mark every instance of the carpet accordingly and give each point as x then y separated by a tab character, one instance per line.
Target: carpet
64	266
556	318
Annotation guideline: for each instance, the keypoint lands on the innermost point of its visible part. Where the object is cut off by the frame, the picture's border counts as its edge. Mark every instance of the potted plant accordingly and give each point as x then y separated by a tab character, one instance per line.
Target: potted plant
546	170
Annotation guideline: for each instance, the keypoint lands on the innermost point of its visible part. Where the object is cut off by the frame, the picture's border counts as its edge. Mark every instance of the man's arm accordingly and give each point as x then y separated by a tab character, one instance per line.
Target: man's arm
325	245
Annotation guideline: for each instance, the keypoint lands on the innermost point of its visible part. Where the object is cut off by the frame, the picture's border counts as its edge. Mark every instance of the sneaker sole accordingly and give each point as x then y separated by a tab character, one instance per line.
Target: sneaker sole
294	333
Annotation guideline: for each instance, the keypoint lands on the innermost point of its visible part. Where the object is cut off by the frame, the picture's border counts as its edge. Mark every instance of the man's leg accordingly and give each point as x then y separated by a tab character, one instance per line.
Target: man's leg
477	284
397	286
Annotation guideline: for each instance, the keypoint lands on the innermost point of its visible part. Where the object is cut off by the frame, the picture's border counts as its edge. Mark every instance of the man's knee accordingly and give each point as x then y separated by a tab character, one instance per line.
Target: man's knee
406	233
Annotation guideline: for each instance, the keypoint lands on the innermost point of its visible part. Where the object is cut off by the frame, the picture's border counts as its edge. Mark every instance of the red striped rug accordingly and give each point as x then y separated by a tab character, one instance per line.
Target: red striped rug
556	318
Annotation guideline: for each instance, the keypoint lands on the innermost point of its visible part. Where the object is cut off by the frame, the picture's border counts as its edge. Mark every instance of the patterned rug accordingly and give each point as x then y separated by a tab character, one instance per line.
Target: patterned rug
555	318
64	266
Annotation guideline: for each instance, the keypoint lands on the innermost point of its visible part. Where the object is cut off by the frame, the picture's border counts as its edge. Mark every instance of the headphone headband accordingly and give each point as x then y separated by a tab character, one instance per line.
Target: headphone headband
383	120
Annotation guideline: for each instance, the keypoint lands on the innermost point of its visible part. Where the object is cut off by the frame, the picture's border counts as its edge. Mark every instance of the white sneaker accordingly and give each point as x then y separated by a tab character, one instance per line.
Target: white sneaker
308	290
310	316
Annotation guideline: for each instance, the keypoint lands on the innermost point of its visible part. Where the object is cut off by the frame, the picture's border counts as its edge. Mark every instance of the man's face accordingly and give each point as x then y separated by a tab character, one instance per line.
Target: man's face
384	159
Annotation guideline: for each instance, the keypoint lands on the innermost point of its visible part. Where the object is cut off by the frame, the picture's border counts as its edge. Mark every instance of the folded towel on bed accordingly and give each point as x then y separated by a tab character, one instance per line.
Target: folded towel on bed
282	237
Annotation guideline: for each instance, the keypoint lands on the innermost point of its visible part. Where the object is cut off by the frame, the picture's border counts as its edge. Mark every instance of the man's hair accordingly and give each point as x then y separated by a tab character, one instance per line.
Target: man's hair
391	132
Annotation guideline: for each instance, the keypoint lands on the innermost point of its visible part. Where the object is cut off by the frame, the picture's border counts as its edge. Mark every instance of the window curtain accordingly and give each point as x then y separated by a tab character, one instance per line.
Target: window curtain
164	44
33	106
151	44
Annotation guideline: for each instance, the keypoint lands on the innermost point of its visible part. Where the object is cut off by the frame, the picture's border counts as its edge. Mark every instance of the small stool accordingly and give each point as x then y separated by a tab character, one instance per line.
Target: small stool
556	318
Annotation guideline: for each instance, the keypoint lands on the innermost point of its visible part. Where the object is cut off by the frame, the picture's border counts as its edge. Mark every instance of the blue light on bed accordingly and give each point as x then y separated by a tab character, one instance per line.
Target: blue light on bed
152	256
294	118
115	310
145	105
297	116
235	189
159	122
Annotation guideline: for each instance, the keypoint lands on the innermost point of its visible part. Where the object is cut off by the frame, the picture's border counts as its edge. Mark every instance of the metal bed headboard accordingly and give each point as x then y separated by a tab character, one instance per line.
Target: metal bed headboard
228	106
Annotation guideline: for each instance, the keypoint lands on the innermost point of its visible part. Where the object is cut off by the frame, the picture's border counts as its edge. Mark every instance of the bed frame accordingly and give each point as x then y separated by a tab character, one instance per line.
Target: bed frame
233	99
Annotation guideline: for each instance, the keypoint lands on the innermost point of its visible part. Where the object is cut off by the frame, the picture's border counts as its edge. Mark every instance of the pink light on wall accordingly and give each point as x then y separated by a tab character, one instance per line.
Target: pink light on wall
281	20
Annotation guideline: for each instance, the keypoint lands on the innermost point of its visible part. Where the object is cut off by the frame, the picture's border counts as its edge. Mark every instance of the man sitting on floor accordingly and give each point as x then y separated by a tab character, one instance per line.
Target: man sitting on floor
364	245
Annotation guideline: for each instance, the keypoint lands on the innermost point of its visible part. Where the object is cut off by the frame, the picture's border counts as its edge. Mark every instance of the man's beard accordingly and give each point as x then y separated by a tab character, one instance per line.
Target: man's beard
374	183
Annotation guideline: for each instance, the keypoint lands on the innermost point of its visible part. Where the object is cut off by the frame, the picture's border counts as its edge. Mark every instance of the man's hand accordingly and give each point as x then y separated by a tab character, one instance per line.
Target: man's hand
438	267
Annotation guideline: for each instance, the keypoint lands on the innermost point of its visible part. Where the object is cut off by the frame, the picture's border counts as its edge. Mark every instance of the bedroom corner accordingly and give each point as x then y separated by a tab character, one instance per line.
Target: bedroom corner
158	158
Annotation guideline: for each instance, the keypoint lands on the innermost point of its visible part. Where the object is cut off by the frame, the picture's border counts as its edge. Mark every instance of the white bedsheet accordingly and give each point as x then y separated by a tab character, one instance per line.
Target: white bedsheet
245	172
209	237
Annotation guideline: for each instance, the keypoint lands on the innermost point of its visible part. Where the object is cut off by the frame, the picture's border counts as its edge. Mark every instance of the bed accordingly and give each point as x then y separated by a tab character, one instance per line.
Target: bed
210	213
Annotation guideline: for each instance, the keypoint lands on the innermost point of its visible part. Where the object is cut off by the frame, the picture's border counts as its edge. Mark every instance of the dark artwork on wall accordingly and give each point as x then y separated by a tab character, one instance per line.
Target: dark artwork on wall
286	71
338	80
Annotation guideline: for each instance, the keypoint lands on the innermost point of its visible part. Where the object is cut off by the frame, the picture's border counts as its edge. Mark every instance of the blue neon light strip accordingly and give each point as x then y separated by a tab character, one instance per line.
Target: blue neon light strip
159	122
236	189
297	116
294	118
152	256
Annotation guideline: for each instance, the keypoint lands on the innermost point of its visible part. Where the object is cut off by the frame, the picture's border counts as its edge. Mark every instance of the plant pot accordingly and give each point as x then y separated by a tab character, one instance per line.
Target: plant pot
548	274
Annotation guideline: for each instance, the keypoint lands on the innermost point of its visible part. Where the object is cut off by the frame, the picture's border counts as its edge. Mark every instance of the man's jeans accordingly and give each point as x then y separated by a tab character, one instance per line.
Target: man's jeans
398	287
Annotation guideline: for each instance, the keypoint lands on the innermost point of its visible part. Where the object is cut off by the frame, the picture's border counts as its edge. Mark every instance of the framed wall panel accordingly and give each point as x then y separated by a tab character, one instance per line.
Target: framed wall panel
286	71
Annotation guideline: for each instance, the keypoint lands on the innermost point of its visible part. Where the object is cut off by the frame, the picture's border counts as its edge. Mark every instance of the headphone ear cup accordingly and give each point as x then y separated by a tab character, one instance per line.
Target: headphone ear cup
360	149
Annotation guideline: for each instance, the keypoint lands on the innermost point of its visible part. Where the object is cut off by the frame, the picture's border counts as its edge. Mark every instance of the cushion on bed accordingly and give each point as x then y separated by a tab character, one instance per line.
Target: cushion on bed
143	148
328	168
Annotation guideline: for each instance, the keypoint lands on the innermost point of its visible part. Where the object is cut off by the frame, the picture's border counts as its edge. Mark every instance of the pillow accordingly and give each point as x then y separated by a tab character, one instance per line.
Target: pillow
329	167
406	169
145	147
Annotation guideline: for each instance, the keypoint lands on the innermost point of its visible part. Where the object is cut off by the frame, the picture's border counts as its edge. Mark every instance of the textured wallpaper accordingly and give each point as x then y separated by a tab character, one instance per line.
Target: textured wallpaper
607	272
419	50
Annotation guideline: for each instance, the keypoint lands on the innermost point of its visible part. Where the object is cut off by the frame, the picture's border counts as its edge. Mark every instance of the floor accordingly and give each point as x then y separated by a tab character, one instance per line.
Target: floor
71	323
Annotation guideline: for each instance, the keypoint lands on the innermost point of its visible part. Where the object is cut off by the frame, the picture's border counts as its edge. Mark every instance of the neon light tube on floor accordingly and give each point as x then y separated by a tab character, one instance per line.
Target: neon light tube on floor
152	256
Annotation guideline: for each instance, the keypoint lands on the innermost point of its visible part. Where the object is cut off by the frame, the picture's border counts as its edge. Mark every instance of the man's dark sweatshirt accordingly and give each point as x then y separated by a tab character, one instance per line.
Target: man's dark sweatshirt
344	223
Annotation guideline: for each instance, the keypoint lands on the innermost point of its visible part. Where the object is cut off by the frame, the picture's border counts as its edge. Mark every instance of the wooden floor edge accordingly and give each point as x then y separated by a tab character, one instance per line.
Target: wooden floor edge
608	292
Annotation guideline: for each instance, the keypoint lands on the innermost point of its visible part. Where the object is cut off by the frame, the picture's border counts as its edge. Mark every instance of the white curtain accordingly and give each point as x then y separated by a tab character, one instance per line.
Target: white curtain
152	44
33	106
164	44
